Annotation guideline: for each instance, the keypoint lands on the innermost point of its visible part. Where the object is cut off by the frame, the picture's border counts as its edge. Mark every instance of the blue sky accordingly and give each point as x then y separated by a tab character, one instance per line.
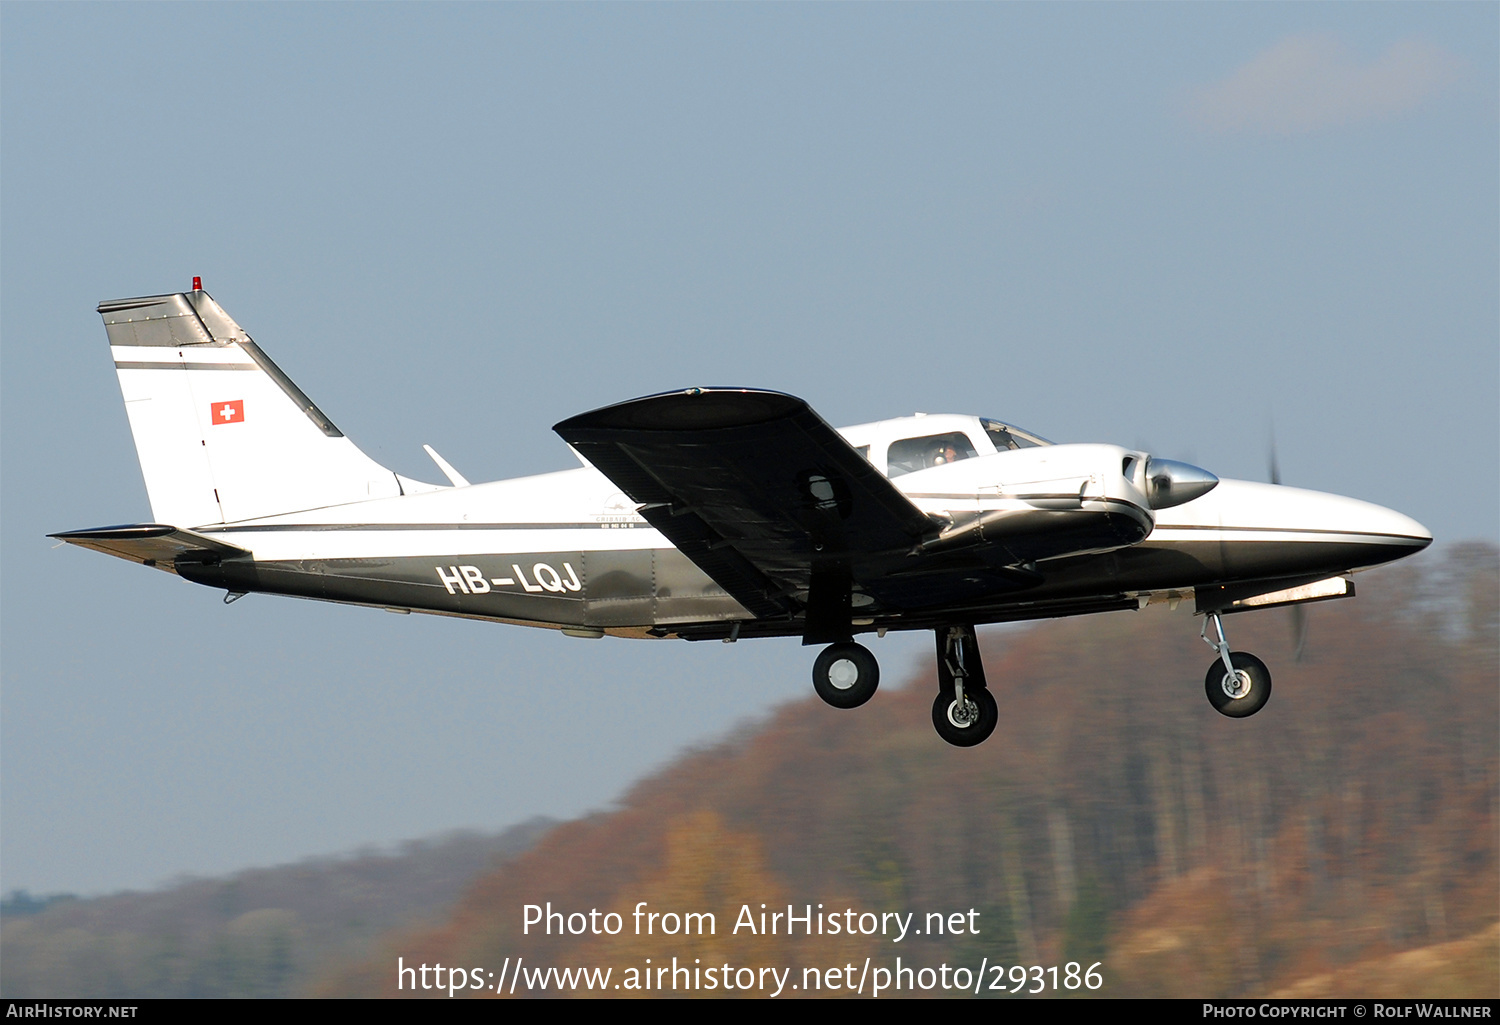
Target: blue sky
1163	226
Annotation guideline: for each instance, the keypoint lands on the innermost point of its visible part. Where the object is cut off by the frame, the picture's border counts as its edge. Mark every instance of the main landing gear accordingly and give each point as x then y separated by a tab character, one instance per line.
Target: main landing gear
1238	684
964	713
846	675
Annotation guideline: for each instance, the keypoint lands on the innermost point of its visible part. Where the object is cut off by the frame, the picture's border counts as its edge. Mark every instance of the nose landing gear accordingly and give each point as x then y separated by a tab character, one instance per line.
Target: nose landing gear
1238	684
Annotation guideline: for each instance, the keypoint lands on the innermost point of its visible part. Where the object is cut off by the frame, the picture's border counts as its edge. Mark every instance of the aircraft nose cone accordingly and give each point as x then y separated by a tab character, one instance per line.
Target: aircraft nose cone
1394	524
1169	482
1375	534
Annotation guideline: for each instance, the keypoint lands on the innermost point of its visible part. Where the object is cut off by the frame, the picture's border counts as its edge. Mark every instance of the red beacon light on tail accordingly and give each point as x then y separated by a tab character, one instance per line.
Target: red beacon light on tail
197	283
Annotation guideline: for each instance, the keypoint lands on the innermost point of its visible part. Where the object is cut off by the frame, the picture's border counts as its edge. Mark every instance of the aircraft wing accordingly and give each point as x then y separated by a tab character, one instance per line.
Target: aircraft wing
761	493
151	544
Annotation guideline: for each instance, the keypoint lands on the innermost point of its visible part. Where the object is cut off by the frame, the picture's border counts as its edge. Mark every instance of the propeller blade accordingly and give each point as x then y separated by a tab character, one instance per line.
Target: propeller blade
1299	612
1299	631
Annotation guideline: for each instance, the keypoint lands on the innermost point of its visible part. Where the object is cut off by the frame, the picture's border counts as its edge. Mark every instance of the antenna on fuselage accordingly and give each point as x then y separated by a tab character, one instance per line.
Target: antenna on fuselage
448	471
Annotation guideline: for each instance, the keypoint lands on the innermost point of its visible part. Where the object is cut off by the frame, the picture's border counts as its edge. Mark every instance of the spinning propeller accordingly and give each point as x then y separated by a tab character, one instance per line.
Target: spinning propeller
1299	612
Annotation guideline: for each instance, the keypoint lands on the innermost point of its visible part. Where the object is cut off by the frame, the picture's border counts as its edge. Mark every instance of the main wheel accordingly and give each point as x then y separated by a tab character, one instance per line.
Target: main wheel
969	724
1240	695
846	675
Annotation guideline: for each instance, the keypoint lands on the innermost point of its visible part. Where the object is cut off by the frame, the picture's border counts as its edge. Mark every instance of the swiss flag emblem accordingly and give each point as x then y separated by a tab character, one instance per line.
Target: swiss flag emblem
228	412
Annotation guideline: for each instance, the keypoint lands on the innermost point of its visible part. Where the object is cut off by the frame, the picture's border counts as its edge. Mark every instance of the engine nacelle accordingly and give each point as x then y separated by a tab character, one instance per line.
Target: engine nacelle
1052	501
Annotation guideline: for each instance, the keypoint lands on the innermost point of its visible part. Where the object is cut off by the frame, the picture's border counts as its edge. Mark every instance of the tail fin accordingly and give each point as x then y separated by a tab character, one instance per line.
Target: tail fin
221	432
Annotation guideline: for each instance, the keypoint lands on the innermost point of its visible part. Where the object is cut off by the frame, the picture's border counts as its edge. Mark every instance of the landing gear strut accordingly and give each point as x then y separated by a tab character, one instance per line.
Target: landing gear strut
1238	684
964	713
846	675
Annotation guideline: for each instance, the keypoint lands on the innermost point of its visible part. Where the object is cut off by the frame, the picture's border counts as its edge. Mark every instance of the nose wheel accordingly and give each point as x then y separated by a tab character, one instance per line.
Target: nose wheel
1238	684
846	675
1243	693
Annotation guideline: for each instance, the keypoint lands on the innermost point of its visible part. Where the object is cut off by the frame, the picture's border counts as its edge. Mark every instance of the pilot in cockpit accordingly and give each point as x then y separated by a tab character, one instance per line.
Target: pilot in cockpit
943	454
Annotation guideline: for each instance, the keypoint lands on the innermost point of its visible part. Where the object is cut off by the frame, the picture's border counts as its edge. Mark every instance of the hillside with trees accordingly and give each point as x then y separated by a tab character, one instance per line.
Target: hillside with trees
1113	816
263	932
1341	842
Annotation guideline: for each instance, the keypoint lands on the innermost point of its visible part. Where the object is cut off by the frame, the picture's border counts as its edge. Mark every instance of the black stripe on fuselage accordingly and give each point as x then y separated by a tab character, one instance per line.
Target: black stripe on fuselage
1413	538
1401	539
143	365
285	527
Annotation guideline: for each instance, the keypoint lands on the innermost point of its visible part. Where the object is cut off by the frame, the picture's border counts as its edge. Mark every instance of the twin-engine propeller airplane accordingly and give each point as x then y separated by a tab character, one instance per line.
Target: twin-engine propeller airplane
714	513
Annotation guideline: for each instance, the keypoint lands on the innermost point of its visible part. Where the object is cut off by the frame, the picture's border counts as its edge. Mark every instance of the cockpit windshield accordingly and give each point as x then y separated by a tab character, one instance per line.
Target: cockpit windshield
1007	437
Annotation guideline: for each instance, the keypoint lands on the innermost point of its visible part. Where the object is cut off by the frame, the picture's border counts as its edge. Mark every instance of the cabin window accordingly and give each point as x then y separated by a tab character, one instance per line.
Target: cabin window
1005	437
911	454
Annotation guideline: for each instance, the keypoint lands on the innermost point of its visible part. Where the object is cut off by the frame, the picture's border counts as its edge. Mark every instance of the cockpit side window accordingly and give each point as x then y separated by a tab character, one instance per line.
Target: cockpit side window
1007	437
911	454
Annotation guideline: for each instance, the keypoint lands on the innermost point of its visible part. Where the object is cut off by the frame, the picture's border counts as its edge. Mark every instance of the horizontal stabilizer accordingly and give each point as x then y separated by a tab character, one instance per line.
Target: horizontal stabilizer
151	544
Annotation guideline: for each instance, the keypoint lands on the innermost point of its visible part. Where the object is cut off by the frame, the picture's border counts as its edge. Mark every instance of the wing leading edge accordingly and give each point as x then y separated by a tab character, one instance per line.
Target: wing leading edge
765	497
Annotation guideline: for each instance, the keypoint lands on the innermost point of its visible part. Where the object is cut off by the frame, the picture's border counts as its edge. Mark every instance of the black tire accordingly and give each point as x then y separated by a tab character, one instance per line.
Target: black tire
1238	707
975	732
846	675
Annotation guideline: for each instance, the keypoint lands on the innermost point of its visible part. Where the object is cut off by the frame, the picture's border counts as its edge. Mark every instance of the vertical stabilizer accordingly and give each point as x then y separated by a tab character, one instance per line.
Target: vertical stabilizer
221	432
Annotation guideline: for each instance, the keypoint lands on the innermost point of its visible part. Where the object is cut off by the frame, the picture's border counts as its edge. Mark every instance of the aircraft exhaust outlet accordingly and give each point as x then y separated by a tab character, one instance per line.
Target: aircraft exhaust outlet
1169	482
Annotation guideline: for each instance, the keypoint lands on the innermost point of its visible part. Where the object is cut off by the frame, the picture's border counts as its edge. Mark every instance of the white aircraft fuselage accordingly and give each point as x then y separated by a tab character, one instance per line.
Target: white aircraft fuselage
568	550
